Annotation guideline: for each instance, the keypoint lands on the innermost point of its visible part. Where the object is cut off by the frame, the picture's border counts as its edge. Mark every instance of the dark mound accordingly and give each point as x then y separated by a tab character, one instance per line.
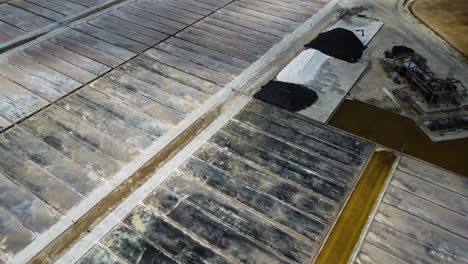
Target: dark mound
401	50
289	96
339	43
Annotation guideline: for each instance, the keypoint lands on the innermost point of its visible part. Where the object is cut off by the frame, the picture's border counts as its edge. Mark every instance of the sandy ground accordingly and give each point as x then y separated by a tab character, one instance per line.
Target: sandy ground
448	18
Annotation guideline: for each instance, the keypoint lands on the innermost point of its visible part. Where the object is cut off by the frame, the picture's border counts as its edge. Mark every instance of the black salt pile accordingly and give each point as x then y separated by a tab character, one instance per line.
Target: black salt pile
339	43
401	50
289	96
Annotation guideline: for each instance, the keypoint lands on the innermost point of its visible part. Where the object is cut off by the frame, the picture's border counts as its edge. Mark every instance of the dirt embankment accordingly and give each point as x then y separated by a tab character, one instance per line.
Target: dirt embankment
448	18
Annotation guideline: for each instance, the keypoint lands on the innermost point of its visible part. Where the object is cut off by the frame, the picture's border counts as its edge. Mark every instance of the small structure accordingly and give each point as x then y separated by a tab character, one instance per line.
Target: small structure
446	93
438	106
